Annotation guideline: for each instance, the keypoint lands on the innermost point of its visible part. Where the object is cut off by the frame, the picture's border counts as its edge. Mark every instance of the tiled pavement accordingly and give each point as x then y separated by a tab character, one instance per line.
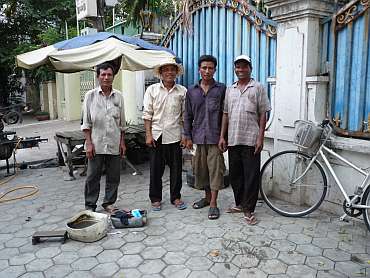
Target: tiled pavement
174	243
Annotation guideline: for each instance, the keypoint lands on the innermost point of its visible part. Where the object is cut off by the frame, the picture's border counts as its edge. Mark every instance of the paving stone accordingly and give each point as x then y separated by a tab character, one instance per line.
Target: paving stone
113	243
253	230
39	265
224	269
299	238
25	232
309	250
176	271
21	259
154	241
73	245
3	264
48	252
337	255
362	259
251	273
5	237
152	276
351	269
81	274
272	266
66	258
84	263
324	242
155	231
291	257
135	237
12	271
151	266
196	250
33	275
283	245
292	228
214	232
195	239
90	251
16	242
175	258
58	271
265	253
128	261
201	274
11	229
132	248
330	274
301	271
276	234
352	247
153	253
246	260
258	241
174	245
108	256
105	270
320	263
126	273
199	263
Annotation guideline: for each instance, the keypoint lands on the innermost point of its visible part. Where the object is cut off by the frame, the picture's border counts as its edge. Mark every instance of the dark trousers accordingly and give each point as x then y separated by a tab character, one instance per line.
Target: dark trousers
160	156
244	174
95	165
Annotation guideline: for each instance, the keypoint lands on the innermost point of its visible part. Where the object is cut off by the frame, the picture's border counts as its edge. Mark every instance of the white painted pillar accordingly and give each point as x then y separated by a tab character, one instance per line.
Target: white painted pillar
72	96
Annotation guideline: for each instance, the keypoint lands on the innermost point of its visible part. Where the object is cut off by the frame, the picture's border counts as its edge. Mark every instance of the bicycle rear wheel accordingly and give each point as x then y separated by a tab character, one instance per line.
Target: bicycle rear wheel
366	211
288	198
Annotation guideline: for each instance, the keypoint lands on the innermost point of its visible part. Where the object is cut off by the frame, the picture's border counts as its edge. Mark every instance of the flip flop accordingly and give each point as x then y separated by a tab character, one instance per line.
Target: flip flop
156	206
213	213
251	220
235	209
201	204
180	205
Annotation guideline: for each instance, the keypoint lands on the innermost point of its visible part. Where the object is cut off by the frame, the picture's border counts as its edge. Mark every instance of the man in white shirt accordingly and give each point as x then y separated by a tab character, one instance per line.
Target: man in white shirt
103	124
163	120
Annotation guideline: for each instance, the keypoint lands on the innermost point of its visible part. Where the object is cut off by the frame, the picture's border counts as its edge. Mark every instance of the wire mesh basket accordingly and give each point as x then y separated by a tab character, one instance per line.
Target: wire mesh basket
307	134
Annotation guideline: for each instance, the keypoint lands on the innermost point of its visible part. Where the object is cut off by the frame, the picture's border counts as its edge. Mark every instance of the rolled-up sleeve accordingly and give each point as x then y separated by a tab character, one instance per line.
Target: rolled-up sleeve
148	104
264	103
86	115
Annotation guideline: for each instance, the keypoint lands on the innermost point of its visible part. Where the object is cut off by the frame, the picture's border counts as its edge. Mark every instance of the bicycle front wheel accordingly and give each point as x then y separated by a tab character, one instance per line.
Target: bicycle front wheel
366	211
285	194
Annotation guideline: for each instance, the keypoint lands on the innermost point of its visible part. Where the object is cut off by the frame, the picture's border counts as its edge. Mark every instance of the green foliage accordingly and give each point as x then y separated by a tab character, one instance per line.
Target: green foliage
27	25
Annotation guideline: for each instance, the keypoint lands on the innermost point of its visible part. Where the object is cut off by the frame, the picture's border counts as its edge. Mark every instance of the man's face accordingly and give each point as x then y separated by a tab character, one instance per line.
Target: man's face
106	77
168	73
243	70
206	70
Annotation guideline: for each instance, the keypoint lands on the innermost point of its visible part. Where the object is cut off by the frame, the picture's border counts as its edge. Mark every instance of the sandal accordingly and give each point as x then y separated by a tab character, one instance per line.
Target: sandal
180	205
213	213
201	204
156	206
235	209
251	220
110	209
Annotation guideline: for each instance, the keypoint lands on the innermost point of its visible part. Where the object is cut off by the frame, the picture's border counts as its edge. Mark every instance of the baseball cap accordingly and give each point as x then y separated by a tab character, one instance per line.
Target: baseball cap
243	57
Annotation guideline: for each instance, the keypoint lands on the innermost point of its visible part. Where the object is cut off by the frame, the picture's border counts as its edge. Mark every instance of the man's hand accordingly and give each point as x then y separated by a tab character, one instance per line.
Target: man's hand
222	145
189	144
150	142
259	146
90	150
122	149
183	142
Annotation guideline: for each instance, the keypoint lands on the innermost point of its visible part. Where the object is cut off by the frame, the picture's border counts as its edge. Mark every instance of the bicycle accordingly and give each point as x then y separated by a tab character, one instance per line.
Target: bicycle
294	183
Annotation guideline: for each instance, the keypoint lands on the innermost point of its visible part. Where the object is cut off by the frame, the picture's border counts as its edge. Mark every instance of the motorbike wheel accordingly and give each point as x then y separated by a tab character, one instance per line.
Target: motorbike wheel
11	117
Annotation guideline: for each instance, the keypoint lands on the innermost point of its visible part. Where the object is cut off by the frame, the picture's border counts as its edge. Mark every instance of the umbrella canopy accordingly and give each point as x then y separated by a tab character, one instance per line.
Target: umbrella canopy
85	52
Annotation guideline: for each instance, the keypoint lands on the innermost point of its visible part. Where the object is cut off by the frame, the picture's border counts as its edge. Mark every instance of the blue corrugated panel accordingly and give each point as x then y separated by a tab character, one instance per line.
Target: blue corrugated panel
224	34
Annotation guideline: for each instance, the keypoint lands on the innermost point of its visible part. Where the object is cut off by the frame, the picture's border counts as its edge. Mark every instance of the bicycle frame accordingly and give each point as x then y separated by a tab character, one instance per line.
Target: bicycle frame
359	189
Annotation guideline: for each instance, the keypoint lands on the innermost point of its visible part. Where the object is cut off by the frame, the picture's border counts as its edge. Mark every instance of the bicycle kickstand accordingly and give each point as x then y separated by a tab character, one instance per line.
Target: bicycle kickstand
343	218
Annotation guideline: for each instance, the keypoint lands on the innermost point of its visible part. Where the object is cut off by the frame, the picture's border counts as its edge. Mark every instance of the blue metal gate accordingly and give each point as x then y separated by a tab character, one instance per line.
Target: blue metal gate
346	56
224	29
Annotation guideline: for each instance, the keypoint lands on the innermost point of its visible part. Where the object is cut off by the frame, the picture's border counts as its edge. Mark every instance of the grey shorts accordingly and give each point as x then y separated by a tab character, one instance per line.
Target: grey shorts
208	167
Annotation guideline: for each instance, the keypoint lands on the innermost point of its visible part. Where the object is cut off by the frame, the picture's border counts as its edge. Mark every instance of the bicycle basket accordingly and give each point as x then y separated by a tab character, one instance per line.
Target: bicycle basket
306	134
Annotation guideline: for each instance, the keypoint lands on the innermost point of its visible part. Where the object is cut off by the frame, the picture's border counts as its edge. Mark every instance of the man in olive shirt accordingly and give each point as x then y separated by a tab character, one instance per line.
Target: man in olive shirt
244	119
103	124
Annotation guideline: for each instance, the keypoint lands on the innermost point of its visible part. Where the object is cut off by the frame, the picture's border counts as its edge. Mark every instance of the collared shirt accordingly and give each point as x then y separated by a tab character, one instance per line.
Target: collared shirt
165	109
243	109
203	113
105	117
